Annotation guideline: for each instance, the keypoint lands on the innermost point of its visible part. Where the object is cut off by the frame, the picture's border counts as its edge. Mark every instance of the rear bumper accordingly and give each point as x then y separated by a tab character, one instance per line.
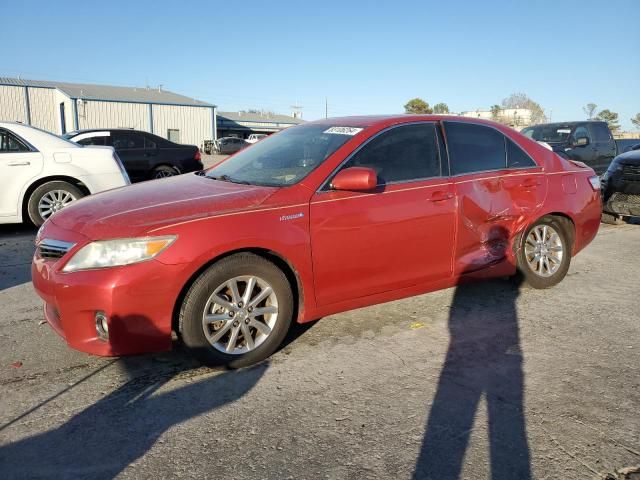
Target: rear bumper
138	301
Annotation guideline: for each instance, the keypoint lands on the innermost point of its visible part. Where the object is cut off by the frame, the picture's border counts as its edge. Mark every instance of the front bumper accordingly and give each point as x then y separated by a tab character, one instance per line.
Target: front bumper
623	204
138	301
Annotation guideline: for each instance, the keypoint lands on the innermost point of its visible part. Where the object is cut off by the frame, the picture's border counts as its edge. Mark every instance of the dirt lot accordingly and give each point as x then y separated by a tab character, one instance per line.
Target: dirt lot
531	384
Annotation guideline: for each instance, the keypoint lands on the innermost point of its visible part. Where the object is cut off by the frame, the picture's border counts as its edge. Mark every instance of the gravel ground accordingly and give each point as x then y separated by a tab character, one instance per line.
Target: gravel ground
483	380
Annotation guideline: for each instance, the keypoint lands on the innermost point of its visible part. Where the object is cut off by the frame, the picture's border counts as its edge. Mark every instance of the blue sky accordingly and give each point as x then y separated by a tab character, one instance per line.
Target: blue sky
364	57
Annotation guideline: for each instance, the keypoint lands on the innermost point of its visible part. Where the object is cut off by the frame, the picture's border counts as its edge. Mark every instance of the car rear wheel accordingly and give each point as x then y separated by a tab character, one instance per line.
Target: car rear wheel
612	219
49	198
163	171
545	253
237	312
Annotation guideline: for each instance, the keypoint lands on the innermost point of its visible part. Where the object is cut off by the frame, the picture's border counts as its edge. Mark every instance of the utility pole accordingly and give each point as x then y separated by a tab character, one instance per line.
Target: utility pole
326	107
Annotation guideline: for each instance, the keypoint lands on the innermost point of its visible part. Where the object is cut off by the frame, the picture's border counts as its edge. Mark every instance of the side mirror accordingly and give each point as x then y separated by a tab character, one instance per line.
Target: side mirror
581	142
358	179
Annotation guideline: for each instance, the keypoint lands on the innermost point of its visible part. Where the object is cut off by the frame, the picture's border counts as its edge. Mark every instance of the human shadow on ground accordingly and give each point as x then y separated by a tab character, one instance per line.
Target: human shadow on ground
484	360
103	439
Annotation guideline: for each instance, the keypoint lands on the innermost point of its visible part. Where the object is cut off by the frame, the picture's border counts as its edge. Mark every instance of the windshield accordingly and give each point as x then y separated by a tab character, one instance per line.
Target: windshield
548	133
285	158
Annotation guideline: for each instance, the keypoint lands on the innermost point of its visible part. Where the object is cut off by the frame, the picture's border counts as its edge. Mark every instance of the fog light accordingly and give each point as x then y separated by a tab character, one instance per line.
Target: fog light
102	326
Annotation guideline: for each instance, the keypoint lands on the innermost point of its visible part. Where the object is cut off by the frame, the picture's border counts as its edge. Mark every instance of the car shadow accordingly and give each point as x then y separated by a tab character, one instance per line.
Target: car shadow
484	360
103	439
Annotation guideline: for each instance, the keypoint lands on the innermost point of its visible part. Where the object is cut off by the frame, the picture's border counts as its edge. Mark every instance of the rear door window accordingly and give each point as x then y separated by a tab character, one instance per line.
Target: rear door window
97	140
600	132
123	140
518	158
149	144
474	148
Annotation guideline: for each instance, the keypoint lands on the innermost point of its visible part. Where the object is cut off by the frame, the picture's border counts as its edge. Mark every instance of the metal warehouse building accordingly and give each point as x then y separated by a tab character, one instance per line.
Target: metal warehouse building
61	107
242	124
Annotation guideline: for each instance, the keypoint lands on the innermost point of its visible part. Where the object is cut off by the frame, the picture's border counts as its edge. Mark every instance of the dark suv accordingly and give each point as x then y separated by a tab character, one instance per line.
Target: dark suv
144	155
589	142
621	188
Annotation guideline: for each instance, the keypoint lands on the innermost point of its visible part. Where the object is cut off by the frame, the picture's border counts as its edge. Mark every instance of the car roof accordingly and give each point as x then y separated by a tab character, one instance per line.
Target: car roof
561	124
89	130
379	120
38	138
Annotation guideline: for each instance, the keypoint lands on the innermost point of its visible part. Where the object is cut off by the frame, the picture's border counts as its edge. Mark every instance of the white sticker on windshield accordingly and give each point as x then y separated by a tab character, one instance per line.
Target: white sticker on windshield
343	130
564	130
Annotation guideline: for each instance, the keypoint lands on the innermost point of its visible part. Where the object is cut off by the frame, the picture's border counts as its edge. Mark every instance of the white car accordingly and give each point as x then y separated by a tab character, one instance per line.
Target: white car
40	173
256	137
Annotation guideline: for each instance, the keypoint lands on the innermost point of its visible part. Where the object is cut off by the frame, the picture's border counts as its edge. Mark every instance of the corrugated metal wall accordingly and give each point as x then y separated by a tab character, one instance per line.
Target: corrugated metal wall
12	104
43	108
194	123
96	114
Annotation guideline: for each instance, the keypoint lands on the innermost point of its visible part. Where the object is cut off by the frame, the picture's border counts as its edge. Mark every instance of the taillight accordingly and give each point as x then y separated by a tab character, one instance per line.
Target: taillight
197	155
595	182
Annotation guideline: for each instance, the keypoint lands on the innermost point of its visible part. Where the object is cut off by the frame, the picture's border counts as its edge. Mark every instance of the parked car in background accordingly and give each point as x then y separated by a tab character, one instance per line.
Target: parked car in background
145	156
628	144
589	142
317	219
256	137
41	173
229	145
621	188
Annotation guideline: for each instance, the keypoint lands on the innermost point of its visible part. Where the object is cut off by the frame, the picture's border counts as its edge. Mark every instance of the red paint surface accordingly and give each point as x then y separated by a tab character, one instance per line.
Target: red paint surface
348	249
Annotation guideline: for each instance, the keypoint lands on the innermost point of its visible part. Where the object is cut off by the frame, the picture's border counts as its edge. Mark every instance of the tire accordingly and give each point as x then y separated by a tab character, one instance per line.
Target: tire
56	195
612	219
556	249
212	348
163	171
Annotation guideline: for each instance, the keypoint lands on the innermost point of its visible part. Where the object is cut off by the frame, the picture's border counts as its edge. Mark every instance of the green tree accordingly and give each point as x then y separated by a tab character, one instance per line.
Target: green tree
521	100
590	110
495	112
417	105
636	120
610	117
441	108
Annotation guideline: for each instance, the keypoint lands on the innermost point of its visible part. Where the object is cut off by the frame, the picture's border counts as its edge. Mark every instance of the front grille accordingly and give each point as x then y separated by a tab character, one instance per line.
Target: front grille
53	249
631	172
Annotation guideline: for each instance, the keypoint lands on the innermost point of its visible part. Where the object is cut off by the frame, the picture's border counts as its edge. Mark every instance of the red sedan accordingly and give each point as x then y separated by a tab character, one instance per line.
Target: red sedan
319	219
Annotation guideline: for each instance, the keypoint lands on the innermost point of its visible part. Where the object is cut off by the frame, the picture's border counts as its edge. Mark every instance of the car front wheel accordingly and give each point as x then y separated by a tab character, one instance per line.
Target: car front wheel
237	312
49	198
545	253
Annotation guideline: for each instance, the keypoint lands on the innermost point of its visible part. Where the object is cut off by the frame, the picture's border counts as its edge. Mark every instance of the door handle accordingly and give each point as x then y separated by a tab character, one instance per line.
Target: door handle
18	164
441	196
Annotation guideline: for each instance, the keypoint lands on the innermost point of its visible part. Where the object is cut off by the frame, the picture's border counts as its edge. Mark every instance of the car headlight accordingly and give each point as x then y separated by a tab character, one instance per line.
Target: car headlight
115	253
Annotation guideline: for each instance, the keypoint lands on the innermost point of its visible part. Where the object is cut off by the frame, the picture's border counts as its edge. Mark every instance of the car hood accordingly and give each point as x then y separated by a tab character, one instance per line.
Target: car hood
137	209
629	158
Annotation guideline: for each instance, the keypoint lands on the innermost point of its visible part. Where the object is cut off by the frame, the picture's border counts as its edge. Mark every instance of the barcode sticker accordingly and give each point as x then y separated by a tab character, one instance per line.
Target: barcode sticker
343	130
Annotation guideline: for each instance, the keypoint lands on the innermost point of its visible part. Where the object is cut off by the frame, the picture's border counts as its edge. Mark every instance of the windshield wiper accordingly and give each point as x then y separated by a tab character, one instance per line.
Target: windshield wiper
227	178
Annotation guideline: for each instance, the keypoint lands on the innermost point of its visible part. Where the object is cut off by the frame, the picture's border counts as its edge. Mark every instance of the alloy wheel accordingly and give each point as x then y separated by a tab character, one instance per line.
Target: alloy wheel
164	174
53	201
240	315
544	250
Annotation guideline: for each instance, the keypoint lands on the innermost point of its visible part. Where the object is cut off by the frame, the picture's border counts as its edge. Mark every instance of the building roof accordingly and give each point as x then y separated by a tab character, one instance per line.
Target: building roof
89	91
266	117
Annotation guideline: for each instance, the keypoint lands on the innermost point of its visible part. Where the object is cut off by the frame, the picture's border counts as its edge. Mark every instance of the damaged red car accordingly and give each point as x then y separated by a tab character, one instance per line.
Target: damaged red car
318	219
